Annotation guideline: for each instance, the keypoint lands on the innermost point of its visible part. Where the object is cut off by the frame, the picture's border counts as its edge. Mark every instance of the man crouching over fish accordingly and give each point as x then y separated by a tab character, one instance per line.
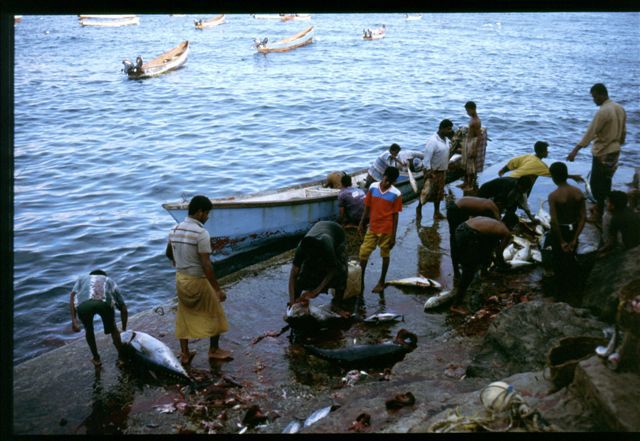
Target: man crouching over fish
95	294
320	263
200	313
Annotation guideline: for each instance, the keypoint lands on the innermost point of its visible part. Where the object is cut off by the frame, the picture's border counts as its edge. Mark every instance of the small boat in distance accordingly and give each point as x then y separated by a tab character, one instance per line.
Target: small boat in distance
374	34
215	21
282	17
110	22
413	17
105	16
168	61
300	39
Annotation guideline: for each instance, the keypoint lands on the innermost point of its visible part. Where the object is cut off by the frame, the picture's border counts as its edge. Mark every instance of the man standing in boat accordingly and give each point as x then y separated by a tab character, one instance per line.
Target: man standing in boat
473	149
320	263
608	132
200	313
389	158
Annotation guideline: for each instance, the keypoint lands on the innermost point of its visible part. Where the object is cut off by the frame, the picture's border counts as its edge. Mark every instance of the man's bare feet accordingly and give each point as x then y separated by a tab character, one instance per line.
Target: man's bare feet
220	354
186	358
379	288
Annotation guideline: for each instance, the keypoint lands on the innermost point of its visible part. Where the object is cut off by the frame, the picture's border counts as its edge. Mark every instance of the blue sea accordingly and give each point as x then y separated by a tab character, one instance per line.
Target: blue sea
96	154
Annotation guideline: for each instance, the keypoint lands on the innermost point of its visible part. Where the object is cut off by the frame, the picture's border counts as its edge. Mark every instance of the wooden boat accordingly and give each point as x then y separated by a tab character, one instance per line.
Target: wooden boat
413	17
170	60
295	17
243	223
215	21
110	22
374	34
105	16
283	17
302	38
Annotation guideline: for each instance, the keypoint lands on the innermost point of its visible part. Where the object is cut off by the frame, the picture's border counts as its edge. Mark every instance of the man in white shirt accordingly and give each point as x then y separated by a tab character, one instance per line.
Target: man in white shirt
436	162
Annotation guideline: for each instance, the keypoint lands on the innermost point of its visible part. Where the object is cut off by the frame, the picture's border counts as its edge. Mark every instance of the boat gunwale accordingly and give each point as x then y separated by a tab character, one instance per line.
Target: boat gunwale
244	201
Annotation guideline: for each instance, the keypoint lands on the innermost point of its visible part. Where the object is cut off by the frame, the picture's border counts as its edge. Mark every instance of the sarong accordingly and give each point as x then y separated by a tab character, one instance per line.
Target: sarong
199	314
433	187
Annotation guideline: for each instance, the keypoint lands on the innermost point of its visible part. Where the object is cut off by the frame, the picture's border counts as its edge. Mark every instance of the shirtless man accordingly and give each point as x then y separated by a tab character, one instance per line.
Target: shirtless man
458	212
478	240
470	147
568	214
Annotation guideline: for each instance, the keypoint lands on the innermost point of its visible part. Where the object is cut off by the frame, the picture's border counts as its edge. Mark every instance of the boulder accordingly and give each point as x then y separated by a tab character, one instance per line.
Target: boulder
520	337
606	280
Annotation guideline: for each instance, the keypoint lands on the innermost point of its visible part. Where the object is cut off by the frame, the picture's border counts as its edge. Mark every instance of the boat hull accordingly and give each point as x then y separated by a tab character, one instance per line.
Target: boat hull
244	223
164	63
109	23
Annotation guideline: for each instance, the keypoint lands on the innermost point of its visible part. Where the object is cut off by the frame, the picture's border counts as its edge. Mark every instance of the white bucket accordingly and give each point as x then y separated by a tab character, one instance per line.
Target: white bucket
353	280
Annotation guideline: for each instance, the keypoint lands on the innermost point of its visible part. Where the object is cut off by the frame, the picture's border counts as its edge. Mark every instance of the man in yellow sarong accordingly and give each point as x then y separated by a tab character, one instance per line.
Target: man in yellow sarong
200	313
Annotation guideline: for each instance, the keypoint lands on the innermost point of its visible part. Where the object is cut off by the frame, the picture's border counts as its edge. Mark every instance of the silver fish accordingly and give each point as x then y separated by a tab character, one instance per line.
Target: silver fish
319	414
521	241
509	252
320	313
154	352
437	300
515	263
420	281
587	189
384	317
543	217
536	256
293	427
523	254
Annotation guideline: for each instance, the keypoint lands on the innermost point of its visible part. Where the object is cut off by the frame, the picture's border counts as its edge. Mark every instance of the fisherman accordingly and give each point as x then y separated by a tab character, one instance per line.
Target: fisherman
479	241
320	263
623	220
350	202
608	132
509	194
200	313
436	162
531	164
461	210
92	294
567	210
382	205
473	149
389	158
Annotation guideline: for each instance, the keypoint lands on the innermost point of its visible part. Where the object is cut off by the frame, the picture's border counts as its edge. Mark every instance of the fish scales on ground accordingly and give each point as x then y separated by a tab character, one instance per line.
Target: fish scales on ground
154	353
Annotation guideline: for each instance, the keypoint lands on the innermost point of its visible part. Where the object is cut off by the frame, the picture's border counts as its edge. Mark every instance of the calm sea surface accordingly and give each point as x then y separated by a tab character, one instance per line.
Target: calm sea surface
97	154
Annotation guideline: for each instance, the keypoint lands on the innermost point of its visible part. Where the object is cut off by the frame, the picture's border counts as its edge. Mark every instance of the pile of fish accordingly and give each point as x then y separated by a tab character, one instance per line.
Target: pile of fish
523	252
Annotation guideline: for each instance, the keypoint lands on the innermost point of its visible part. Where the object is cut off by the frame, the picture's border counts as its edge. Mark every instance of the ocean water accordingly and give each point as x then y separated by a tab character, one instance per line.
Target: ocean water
97	154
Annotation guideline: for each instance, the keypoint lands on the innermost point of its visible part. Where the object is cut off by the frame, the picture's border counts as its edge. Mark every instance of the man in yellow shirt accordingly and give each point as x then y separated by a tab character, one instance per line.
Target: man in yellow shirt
529	164
608	132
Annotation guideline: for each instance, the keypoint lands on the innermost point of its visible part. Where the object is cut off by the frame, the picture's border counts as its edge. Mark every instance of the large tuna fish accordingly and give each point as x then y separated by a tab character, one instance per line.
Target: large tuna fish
304	316
369	355
153	353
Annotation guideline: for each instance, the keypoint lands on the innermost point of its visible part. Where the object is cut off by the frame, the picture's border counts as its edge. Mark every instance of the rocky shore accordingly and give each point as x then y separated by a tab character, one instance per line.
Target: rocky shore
515	323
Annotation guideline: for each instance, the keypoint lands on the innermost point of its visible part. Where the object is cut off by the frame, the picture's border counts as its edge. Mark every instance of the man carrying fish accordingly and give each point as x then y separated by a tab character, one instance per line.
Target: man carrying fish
320	263
200	313
608	132
567	210
436	162
92	294
477	241
458	212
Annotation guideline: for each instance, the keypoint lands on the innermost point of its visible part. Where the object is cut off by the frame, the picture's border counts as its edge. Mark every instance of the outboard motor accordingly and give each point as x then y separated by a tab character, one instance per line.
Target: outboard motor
127	66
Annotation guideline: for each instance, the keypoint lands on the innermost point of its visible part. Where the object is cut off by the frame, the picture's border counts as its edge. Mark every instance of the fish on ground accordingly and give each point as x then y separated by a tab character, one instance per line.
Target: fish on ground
439	299
153	353
371	354
419	281
303	315
298	423
383	317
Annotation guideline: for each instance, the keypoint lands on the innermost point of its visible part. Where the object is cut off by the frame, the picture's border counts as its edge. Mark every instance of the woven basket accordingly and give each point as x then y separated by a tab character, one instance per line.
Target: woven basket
563	358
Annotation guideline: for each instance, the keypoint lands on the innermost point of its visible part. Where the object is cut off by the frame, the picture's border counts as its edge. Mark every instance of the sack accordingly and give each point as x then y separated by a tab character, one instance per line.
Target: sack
563	358
354	280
